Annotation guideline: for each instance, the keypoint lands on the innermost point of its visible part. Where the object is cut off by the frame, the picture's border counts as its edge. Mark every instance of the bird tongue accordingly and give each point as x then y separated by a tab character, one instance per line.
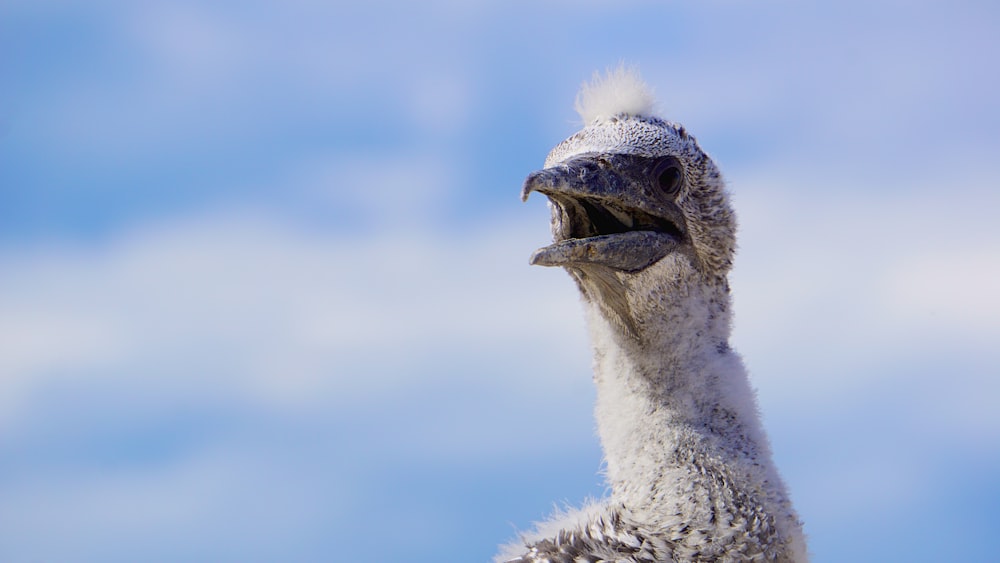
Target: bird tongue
630	252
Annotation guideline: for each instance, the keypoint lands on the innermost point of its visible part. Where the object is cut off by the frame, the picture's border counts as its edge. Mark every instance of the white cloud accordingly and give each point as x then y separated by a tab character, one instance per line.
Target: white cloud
833	299
193	42
952	284
282	313
827	289
215	500
441	102
386	192
880	270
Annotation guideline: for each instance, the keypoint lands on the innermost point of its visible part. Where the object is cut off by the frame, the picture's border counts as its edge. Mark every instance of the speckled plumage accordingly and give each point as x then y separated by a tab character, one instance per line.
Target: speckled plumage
688	463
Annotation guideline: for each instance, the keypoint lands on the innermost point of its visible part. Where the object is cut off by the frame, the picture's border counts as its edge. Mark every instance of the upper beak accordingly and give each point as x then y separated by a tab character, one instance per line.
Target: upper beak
582	176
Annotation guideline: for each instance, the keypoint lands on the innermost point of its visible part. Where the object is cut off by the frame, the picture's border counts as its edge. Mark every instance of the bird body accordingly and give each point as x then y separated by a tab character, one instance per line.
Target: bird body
642	222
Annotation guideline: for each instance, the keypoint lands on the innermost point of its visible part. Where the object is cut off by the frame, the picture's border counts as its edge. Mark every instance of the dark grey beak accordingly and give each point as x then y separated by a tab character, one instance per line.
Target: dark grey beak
604	214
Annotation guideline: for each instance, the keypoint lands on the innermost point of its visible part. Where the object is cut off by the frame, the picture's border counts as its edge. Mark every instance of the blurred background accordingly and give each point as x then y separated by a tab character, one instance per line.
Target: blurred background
264	292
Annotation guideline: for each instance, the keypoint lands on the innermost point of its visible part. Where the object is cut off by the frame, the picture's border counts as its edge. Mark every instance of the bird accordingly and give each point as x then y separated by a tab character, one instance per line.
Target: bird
642	221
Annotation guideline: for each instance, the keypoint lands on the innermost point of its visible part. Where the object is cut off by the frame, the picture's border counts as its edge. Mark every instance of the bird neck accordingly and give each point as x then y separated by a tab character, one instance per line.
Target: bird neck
673	397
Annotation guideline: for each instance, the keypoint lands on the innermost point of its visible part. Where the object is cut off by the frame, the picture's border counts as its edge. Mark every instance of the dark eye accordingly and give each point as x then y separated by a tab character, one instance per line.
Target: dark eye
668	176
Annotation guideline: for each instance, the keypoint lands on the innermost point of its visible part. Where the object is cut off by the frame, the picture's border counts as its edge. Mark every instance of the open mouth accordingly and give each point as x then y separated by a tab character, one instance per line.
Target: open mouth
585	217
602	218
593	231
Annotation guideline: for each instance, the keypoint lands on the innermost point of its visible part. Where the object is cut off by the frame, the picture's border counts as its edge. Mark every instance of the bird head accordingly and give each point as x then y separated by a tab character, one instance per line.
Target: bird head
635	201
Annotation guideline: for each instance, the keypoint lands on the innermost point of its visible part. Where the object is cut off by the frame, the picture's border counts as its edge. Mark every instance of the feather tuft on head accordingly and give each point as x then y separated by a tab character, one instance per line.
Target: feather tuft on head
619	91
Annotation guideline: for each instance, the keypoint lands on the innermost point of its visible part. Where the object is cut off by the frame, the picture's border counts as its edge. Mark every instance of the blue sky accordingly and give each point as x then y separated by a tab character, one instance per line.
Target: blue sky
264	292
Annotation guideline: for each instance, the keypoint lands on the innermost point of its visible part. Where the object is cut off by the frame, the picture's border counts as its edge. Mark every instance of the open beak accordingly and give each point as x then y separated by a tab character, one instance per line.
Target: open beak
601	217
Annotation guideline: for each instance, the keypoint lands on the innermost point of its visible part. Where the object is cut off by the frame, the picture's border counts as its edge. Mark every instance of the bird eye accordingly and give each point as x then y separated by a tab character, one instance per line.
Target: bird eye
668	176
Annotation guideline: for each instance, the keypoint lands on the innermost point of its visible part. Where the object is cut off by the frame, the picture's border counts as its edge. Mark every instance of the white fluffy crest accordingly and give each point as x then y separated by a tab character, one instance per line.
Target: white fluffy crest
619	91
